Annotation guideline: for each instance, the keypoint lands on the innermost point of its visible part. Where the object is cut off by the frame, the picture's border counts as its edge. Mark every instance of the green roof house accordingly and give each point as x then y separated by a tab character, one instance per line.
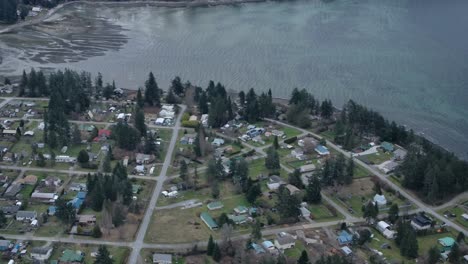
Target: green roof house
387	146
209	221
446	242
70	256
238	219
241	209
215	205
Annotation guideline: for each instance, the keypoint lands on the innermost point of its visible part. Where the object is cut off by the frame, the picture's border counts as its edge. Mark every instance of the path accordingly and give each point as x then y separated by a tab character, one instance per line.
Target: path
179	204
138	244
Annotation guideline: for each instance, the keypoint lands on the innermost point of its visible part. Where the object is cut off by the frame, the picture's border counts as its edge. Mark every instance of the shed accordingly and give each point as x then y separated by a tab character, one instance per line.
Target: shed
4	244
292	189
162	258
218	142
322	150
209	221
346	250
215	205
257	248
307	168
305	212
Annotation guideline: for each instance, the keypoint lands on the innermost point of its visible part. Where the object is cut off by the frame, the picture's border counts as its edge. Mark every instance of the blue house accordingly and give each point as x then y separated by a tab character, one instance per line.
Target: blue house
76	203
345	238
81	195
257	248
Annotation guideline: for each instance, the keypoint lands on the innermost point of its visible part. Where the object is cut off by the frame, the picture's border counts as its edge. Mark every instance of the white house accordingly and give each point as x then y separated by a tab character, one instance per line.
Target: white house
26	215
284	241
305	212
274	182
380	200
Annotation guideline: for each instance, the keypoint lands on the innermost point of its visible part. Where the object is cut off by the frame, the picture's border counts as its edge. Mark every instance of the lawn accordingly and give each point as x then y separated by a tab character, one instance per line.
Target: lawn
119	254
257	168
184	225
376	158
458	211
360	172
296	251
320	213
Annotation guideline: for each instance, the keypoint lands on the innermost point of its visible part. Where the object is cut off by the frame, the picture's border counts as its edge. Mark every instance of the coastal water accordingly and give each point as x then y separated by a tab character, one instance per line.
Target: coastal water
407	59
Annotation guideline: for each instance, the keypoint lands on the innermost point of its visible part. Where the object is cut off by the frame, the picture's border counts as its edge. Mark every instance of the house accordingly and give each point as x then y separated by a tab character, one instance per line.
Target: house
274	182
307	141
400	154
322	150
307	168
143	158
76	186
215	205
193	118
44	197
345	238
159	121
238	219
104	133
70	256
188	139
209	221
421	222
76	203
26	215
297	153
65	159
166	113
10	210
9	132
388	166
13	190
140	169
292	189
4	245
380	200
268	246
52	181
346	251
277	133
447	243
162	258
241	209
284	241
29	180
86	219
387	146
257	248
305	212
218	142
9	156
41	253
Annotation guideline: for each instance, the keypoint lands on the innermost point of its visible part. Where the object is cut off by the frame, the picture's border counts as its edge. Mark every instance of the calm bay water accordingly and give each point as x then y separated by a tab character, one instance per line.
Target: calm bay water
407	59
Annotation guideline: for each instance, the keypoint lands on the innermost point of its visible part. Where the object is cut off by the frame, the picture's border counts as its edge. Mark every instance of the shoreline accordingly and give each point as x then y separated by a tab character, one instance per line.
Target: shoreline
174	4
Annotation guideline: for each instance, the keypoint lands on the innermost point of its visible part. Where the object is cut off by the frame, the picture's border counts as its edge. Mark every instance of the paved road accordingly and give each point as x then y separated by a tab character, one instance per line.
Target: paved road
384	178
138	244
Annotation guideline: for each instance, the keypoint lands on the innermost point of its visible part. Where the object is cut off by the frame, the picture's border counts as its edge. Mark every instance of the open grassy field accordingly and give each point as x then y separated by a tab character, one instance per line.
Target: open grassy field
376	158
119	254
458	210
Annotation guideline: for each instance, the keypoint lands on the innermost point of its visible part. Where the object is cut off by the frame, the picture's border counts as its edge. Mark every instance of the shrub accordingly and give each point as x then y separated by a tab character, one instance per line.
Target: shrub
190	124
290	140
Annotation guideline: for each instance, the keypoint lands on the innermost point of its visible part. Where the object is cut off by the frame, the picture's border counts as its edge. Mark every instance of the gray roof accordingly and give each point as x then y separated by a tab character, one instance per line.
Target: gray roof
5	243
40	250
285	239
12	209
26	214
14	189
162	257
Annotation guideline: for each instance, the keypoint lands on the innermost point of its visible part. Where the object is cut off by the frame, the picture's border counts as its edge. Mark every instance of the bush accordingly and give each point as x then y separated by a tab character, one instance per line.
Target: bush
185	117
190	124
290	140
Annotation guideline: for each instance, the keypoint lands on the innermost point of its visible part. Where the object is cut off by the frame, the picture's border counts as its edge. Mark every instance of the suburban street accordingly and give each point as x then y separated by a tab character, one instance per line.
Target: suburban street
138	244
